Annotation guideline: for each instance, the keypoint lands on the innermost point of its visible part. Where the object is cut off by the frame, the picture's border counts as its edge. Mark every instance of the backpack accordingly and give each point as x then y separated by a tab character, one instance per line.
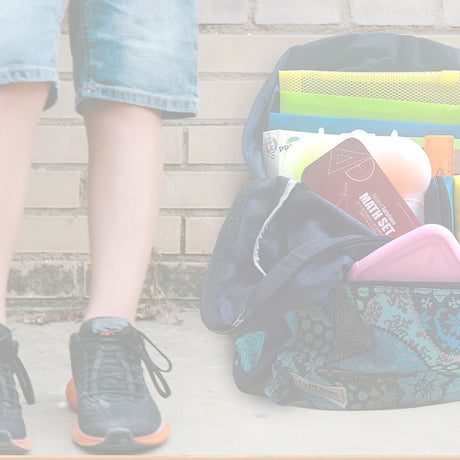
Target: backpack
302	335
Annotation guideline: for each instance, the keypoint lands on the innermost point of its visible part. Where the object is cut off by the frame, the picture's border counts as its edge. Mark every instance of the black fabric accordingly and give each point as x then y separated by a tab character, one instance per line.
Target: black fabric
367	52
235	290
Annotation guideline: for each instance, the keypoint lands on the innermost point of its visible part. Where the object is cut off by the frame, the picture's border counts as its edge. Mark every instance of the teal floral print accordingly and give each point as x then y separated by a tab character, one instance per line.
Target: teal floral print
423	388
366	347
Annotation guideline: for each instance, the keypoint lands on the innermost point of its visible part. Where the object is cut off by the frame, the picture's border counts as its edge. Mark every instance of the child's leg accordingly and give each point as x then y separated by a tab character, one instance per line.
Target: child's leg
28	80
20	107
124	185
115	410
140	58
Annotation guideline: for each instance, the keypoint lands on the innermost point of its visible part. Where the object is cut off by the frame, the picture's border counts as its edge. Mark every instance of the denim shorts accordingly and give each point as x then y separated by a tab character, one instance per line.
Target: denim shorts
141	52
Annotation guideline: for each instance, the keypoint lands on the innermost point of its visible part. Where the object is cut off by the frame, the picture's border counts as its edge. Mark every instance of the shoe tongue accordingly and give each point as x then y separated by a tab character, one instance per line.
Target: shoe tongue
104	325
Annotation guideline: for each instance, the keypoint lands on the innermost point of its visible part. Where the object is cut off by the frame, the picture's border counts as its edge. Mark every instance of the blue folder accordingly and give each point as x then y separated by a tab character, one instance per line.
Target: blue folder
334	125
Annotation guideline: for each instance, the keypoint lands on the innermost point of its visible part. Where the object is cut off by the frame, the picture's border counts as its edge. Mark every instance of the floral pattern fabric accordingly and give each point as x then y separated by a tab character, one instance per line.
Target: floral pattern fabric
368	347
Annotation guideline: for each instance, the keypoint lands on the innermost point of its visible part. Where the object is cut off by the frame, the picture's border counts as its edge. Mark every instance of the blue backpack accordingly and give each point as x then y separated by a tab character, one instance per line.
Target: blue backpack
304	336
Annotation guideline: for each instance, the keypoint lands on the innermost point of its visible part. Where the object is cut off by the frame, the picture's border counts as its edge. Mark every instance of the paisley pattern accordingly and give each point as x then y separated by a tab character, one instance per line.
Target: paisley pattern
367	347
249	348
387	355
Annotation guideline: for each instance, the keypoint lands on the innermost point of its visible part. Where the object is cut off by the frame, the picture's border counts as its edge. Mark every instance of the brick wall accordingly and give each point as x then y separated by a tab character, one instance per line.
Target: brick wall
240	42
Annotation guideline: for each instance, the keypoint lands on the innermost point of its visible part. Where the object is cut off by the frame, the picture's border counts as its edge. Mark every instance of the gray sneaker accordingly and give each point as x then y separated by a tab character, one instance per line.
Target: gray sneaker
13	438
115	410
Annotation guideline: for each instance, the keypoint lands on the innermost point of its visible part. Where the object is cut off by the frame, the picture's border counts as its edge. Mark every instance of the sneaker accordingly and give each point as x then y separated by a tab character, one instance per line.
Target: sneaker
115	410
13	438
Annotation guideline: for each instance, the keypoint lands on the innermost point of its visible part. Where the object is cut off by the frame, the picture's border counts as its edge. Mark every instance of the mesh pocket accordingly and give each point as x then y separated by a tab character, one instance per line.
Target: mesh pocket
429	87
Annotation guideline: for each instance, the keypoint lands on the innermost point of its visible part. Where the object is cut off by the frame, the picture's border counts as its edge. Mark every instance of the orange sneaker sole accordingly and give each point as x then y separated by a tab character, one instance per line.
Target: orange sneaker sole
117	439
13	446
120	440
71	394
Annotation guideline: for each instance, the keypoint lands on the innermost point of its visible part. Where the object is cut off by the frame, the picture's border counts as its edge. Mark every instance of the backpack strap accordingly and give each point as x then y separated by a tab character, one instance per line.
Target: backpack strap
289	283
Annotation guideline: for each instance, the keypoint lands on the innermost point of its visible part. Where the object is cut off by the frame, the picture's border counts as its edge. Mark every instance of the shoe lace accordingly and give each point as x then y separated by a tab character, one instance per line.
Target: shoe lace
114	365
10	364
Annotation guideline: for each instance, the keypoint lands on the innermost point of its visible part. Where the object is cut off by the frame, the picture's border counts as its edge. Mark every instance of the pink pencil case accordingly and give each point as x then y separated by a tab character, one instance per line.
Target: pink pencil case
428	253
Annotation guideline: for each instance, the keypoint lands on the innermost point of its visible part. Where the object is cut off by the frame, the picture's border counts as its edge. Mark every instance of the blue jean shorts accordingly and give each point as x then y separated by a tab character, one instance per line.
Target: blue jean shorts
141	52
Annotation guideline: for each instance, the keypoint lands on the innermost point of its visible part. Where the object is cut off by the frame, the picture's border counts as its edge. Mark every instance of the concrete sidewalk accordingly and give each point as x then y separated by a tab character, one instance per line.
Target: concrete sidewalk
209	416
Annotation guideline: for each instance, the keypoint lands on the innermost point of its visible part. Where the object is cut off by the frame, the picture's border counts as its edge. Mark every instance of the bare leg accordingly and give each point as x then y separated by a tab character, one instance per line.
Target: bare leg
21	105
124	185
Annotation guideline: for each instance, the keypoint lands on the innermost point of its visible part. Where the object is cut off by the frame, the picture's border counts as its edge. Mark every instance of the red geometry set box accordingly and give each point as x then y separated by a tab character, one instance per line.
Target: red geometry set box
349	177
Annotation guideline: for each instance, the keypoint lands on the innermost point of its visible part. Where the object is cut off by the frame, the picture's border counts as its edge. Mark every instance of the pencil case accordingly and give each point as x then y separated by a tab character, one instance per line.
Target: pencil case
439	202
457	206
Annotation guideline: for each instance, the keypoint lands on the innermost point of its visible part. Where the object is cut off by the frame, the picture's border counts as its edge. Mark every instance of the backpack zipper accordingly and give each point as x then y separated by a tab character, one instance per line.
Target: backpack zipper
412	284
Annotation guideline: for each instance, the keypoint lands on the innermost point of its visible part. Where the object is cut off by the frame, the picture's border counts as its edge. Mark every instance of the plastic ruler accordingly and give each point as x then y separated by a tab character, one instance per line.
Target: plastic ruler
440	151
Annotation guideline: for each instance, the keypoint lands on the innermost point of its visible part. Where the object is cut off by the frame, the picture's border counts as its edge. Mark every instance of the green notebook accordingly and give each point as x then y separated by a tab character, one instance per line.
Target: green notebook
374	109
